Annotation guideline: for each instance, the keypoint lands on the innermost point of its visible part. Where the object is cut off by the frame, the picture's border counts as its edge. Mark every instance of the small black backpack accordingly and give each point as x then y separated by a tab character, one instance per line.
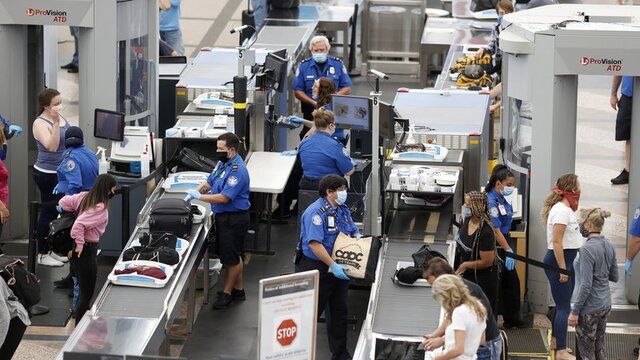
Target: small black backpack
24	284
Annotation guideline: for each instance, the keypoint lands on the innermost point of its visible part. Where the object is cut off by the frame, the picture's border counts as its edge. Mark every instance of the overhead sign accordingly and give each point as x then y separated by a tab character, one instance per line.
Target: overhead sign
47	12
287	323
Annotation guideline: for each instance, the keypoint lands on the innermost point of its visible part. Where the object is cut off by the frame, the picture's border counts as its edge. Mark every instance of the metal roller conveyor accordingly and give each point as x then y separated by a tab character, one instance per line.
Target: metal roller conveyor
136	320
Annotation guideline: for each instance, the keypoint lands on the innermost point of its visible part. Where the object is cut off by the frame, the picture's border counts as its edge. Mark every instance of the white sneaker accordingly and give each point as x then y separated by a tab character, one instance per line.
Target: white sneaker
62	259
47	260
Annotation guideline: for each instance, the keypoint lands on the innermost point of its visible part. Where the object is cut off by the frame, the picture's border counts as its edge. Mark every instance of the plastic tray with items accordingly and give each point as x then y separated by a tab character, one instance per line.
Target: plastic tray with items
141	273
161	248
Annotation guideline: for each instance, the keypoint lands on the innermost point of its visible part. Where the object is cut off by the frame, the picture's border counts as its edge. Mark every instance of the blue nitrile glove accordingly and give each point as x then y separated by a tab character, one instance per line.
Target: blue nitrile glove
56	190
15	130
59	208
510	263
627	267
293	120
192	194
339	271
358	236
290	153
171	132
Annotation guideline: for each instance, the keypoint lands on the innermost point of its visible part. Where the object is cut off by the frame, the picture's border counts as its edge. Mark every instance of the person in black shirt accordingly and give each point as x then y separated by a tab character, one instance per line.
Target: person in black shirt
476	250
492	347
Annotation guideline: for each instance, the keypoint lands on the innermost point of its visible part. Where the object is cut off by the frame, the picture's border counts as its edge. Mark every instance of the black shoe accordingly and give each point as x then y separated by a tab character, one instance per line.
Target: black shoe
516	324
621	179
64	283
68	66
70	292
223	302
636	351
73	70
236	295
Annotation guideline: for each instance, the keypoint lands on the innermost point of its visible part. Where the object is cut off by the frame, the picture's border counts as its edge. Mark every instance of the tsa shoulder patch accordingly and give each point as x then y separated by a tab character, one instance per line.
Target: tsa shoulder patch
232	181
317	220
71	165
494	212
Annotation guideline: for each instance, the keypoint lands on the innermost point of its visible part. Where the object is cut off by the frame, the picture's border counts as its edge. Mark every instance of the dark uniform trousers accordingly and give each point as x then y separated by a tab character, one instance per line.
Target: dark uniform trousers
334	293
309	183
509	289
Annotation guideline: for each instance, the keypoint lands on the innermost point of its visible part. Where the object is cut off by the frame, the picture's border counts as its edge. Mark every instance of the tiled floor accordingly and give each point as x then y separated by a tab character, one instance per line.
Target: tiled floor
206	23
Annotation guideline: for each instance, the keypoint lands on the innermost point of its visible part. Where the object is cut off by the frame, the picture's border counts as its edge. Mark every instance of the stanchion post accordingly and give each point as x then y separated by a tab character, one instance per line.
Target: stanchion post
124	191
32	248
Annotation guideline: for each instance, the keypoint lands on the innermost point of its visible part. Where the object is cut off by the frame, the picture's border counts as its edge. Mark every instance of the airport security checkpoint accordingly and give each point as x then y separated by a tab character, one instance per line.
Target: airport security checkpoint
319	179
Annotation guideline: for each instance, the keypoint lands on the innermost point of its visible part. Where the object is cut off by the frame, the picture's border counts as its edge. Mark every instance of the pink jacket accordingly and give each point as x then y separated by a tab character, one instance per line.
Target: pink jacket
90	224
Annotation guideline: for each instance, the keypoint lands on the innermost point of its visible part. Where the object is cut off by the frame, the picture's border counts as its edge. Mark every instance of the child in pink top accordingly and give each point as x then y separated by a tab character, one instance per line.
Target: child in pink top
92	215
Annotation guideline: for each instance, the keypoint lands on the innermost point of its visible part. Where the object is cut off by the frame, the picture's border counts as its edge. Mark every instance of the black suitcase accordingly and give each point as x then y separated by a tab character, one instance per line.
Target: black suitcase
171	215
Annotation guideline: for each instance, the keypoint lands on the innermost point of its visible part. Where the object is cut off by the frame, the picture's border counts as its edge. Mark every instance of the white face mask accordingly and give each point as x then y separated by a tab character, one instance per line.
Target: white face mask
57	108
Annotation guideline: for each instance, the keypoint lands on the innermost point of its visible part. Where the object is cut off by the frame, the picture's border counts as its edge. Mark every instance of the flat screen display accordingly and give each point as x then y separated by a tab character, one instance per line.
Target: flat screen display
352	112
108	125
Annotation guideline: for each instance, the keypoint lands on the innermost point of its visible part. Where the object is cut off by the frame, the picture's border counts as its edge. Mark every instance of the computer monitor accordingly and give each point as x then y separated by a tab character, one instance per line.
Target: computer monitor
275	68
387	123
352	112
108	125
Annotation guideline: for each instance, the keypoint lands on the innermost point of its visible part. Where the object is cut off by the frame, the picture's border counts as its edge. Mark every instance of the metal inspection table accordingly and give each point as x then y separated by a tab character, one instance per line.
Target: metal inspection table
269	173
135	320
440	34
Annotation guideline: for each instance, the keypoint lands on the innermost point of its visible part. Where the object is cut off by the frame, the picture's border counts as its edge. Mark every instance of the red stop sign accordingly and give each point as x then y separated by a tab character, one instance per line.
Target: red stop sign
287	332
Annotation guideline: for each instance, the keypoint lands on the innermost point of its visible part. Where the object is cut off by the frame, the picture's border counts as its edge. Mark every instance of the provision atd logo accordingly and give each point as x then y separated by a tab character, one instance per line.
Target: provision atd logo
611	64
58	16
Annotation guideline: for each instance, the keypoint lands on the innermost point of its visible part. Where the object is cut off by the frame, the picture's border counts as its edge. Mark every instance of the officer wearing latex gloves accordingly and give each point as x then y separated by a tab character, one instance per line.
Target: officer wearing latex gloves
79	168
76	173
320	225
10	130
501	184
319	65
634	242
227	190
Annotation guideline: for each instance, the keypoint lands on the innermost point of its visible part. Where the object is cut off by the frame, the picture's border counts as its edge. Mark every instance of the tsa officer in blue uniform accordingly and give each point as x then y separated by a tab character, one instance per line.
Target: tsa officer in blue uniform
319	65
321	154
320	225
227	190
79	168
501	184
634	241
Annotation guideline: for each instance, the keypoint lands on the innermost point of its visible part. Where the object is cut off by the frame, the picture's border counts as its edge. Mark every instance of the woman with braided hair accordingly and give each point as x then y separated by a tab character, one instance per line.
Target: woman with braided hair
476	250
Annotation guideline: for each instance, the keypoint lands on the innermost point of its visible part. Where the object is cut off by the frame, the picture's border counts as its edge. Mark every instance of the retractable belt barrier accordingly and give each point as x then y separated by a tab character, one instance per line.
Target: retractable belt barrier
539	264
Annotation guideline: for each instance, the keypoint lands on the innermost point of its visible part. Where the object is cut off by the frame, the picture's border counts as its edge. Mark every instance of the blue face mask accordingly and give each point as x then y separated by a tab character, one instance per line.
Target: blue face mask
508	190
320	58
466	212
342	197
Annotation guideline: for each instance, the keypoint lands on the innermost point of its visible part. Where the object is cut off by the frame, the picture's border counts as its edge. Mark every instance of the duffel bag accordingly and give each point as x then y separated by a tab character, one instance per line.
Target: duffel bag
162	254
171	215
59	238
24	284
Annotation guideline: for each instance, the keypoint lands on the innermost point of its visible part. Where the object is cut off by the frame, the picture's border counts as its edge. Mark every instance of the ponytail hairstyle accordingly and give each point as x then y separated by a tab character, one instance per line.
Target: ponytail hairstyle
566	182
500	173
100	192
595	216
326	88
452	292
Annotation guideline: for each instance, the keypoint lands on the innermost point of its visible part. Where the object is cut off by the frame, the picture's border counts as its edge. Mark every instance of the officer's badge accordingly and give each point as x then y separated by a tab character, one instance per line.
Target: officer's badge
232	181
317	220
332	70
71	165
494	212
637	214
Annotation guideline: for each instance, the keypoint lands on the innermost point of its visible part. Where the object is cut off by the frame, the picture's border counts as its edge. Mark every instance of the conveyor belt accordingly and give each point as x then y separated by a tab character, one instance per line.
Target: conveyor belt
419	224
403	310
144	313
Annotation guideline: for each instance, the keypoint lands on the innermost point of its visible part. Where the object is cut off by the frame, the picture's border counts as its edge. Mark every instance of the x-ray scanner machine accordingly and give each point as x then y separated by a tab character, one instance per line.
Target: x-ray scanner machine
545	49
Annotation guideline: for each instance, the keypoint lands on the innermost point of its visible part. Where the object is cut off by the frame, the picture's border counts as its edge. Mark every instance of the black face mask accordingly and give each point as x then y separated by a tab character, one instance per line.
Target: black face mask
222	156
